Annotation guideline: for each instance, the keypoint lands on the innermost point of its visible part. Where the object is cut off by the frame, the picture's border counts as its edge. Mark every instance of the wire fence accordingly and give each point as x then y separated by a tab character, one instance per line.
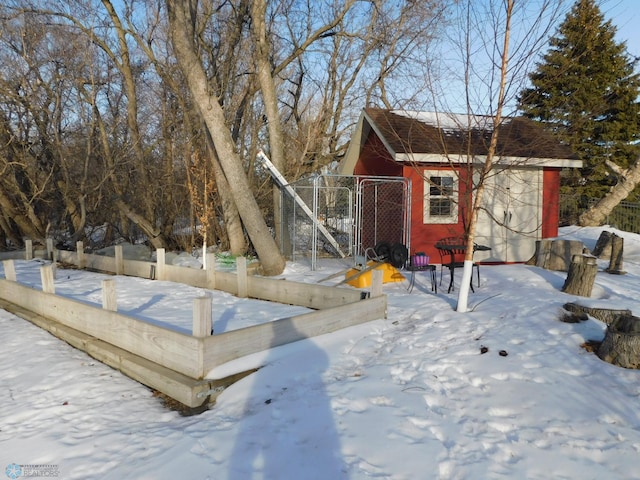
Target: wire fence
344	216
625	216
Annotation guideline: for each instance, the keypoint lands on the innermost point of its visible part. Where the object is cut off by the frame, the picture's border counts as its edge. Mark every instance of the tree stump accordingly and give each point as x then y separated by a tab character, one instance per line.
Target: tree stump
556	254
581	276
617	248
621	344
603	245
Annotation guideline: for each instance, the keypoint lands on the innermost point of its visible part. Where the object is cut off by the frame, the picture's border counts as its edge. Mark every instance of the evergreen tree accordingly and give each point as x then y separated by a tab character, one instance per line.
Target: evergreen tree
585	90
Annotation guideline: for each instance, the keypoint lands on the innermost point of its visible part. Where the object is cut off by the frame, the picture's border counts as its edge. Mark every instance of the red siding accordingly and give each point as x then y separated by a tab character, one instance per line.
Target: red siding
424	236
375	160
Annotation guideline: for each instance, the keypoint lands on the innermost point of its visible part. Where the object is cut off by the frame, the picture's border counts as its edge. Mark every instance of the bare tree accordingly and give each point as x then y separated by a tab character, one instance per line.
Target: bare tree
182	20
491	71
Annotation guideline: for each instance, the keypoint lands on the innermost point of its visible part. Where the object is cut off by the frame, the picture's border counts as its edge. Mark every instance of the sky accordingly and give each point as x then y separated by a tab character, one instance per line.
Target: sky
408	397
625	15
448	70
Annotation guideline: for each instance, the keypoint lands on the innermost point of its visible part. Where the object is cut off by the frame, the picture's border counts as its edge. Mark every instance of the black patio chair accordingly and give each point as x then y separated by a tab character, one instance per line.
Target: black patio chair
452	251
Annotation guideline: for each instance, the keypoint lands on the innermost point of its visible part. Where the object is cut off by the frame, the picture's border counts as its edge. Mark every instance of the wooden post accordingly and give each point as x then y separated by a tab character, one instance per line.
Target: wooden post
160	264
50	248
202	308
28	249
211	270
54	263
109	298
119	260
581	276
241	270
617	248
46	276
80	258
376	282
9	270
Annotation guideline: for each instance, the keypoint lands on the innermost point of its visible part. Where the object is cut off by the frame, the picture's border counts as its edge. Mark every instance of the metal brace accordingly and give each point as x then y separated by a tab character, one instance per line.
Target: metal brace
206	393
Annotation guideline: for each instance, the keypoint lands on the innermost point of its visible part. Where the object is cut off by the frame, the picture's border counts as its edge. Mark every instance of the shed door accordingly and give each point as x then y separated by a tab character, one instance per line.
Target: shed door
512	219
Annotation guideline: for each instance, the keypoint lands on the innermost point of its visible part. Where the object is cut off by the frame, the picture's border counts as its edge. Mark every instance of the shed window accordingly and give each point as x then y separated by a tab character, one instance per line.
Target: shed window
440	197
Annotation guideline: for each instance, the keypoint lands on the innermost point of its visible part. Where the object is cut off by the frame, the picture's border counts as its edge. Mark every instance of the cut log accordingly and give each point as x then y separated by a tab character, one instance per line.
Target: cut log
617	249
581	276
603	245
605	315
556	254
621	344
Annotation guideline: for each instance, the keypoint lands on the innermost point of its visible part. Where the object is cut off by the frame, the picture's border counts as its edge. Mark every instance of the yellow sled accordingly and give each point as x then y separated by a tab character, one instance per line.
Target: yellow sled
362	278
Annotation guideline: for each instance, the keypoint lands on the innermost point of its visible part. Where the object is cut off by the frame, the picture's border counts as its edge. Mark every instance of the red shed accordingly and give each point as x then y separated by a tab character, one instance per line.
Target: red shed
442	154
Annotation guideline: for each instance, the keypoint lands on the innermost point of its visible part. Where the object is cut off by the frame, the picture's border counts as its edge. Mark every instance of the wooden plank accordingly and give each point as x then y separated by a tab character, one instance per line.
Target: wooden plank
201	316
109	298
224	347
188	391
100	262
138	268
46	277
376	282
186	275
262	288
302	294
119	261
80	262
211	271
161	264
169	348
9	270
49	242
28	249
241	269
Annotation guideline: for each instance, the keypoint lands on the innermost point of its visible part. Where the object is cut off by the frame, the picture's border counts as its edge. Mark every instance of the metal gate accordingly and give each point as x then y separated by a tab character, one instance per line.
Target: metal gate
349	215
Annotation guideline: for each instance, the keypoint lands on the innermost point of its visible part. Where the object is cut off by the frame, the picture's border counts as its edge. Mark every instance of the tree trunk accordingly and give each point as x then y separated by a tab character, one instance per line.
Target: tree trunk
181	19
581	276
621	344
597	214
232	221
617	248
269	99
467	272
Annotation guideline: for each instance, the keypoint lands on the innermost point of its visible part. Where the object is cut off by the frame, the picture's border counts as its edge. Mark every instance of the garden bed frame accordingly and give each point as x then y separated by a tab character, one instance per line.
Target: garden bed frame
169	361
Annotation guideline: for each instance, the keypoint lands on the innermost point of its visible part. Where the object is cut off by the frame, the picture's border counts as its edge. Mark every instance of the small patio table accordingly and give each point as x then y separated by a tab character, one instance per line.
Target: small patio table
453	247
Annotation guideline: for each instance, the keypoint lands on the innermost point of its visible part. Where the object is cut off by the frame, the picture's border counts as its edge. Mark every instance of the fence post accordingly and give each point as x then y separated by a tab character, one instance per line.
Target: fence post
109	298
241	271
50	248
9	270
202	308
80	259
46	276
376	282
28	249
160	261
119	260
211	270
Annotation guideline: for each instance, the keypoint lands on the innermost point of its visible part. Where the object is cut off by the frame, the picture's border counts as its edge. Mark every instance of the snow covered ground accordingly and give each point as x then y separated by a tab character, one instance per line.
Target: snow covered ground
408	397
